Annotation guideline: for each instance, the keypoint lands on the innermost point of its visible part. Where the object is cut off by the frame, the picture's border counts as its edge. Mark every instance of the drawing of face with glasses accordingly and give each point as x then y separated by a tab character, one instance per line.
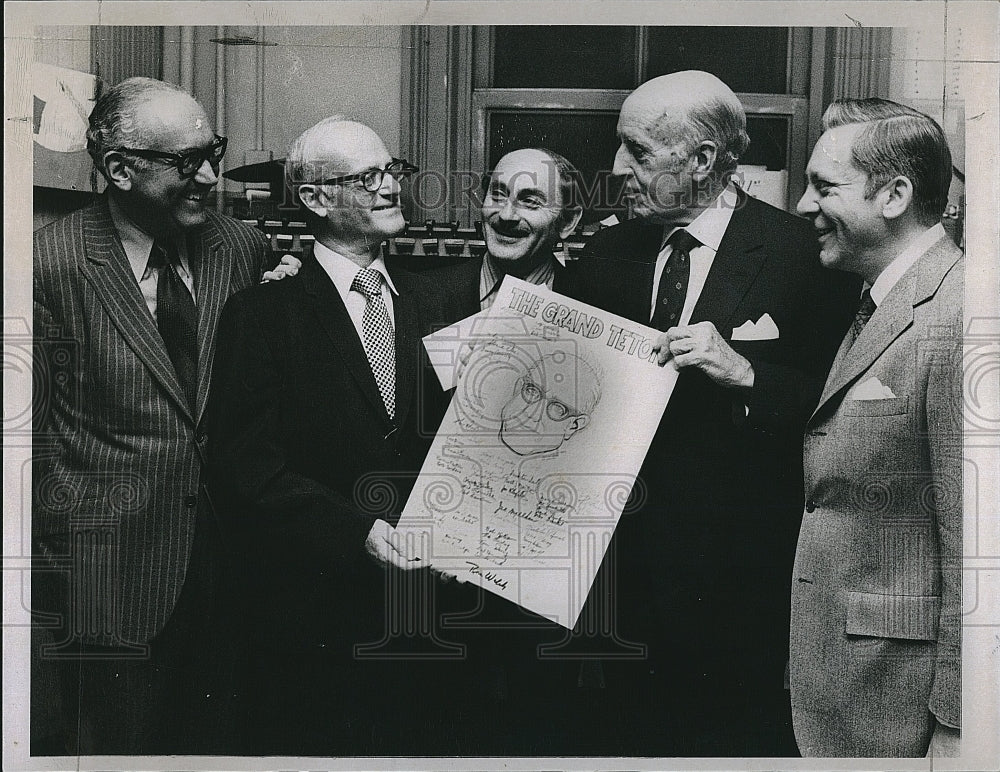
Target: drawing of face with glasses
550	403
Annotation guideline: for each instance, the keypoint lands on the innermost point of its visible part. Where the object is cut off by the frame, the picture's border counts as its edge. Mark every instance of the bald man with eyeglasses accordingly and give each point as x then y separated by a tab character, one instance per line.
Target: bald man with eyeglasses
323	407
127	296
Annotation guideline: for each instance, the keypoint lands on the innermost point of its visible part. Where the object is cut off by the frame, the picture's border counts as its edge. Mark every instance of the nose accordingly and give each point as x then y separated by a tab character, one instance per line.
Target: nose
807	204
206	174
621	168
507	211
390	186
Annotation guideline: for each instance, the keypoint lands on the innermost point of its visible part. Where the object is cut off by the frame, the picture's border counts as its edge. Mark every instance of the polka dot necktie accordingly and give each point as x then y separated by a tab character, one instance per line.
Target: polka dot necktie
176	318
672	292
380	340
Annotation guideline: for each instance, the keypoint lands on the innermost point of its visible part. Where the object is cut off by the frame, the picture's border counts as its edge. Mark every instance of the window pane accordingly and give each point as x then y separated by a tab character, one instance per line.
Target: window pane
564	57
768	142
586	139
747	59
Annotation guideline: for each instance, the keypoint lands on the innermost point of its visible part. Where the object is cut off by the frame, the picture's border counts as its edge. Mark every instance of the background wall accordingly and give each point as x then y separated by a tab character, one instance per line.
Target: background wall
287	80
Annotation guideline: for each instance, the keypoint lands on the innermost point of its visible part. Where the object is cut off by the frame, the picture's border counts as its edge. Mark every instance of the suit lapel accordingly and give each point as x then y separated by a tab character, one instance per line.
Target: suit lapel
212	265
736	265
106	267
891	318
328	307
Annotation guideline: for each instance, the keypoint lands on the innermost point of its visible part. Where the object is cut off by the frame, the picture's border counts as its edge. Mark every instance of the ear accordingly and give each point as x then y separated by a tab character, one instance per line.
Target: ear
117	171
576	424
573	219
897	195
704	159
310	197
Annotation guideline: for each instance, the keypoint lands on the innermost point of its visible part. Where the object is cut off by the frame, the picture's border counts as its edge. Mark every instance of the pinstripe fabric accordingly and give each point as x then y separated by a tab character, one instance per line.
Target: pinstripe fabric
119	457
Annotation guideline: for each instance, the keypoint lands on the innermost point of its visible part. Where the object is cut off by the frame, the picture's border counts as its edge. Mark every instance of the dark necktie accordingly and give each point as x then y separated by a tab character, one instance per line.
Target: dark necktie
672	292
176	318
865	311
380	340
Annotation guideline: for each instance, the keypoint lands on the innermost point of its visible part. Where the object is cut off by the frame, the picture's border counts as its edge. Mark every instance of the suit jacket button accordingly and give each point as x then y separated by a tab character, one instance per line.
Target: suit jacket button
200	437
191	501
810	506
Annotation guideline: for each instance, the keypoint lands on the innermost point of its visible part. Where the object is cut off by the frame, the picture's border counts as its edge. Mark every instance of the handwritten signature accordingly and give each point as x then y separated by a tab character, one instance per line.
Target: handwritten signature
489	576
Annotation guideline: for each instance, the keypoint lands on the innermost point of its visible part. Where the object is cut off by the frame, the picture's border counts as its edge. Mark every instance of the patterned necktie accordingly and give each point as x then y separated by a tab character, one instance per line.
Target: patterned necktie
380	340
176	318
672	292
865	311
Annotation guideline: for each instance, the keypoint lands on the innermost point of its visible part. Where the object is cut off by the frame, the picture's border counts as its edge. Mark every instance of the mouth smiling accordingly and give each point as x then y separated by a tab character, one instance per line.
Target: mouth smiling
507	235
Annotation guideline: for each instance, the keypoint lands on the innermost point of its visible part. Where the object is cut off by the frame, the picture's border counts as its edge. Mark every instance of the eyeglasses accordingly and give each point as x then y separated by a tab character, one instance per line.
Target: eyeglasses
371	180
187	164
554	409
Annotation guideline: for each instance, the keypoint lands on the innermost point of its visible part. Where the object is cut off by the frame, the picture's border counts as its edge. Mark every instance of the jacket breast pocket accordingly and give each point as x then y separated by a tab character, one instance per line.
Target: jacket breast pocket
909	617
877	407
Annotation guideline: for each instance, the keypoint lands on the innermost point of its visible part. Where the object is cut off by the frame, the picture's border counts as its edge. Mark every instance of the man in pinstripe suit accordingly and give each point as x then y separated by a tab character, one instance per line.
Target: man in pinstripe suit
127	295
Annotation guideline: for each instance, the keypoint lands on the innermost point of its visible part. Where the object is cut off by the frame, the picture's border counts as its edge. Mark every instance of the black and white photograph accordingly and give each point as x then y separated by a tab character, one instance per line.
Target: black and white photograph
279	254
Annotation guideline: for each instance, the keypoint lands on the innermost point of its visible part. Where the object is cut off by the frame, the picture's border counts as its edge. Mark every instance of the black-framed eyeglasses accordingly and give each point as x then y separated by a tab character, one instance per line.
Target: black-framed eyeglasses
187	164
371	179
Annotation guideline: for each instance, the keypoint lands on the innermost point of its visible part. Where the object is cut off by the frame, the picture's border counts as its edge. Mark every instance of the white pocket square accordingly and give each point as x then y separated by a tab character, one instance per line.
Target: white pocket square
763	329
872	389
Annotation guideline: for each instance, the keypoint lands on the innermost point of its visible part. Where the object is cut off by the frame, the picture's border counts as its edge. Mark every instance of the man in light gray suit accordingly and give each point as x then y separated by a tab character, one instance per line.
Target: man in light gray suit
876	588
127	296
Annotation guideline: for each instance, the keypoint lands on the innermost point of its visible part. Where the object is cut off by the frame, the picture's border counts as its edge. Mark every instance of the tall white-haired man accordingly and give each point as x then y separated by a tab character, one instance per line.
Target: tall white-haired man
697	573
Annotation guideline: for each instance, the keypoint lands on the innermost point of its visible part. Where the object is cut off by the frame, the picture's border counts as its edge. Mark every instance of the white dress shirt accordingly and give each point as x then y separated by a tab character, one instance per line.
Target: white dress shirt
893	272
342	271
708	227
138	244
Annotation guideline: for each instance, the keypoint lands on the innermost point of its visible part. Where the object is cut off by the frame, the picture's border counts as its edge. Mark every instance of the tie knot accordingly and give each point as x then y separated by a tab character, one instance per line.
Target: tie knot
682	241
368	282
159	255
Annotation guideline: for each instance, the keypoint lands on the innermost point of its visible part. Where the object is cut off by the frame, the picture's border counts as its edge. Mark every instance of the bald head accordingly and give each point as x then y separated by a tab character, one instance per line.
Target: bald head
693	106
329	149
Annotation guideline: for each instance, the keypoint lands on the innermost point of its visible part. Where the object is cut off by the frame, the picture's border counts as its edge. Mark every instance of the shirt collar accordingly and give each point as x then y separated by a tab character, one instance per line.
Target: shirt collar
490	278
136	242
342	270
893	272
710	226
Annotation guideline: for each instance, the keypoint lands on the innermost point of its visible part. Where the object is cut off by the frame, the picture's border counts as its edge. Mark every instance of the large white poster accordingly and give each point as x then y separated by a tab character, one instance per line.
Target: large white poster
538	453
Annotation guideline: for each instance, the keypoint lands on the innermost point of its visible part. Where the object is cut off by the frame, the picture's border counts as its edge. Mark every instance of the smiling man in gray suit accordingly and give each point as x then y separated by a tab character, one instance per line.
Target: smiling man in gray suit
127	296
876	590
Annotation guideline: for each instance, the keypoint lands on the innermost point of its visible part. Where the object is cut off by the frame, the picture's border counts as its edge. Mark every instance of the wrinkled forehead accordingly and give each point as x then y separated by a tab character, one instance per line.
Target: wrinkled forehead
345	148
528	170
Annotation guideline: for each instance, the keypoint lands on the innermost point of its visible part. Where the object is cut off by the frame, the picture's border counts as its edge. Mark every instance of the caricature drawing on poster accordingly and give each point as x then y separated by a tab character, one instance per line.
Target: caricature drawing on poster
535	460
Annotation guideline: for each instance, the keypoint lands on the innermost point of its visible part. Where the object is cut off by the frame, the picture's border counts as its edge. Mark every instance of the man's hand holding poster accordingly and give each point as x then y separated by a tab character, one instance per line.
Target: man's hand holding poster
538	454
